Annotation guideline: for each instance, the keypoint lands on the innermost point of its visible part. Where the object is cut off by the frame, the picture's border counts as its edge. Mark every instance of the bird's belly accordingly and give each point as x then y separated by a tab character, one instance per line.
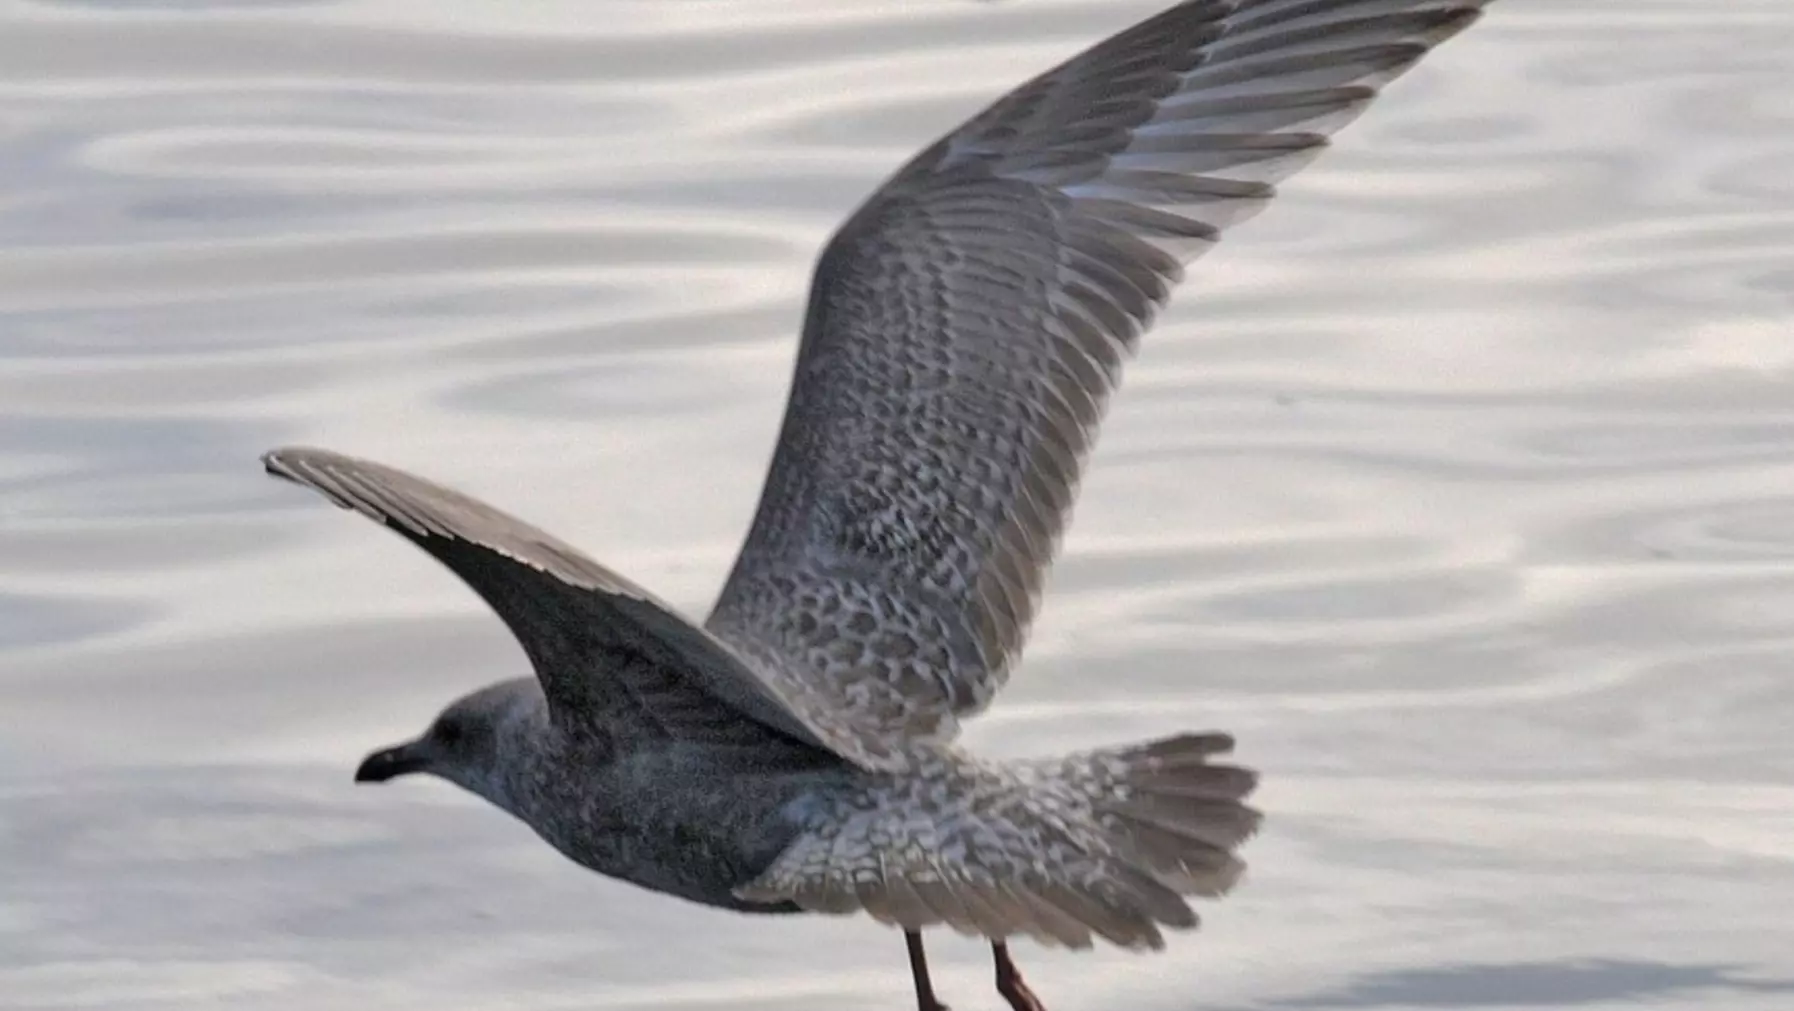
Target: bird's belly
689	859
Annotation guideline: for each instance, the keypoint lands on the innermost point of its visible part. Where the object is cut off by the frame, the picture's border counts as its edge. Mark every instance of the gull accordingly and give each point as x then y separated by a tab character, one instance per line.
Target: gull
797	751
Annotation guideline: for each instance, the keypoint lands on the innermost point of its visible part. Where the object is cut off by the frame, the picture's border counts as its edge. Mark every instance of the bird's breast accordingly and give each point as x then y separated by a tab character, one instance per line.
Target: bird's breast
686	831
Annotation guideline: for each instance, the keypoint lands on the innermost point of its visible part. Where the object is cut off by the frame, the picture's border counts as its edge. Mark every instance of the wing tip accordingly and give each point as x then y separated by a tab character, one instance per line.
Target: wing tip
1454	20
308	467
272	461
286	461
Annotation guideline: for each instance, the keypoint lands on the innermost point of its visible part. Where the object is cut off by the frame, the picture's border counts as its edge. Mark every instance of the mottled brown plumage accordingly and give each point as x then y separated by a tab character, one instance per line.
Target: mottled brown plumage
965	331
968	324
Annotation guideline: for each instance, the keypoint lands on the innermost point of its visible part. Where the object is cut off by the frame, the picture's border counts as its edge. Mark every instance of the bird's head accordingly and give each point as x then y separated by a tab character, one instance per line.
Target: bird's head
468	744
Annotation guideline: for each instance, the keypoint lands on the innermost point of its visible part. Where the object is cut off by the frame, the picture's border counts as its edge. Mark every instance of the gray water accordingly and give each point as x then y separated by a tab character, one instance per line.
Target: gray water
1460	486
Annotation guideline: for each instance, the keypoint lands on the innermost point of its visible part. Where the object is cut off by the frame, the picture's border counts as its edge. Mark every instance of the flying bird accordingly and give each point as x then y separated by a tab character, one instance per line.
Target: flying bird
796	752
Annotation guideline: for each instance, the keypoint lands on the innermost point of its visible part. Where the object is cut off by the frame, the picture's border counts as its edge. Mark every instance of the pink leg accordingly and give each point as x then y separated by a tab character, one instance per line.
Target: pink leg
1009	981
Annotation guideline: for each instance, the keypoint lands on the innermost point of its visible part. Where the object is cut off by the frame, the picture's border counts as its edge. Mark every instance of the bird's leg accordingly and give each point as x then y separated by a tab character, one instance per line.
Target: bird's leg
918	968
1009	981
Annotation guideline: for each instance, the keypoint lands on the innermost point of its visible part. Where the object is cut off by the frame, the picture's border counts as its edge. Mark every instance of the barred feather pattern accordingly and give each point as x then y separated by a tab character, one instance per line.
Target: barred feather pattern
969	324
966	330
1101	844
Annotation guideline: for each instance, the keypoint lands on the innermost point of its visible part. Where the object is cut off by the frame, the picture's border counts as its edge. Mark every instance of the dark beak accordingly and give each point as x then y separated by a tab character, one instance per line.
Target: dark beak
384	765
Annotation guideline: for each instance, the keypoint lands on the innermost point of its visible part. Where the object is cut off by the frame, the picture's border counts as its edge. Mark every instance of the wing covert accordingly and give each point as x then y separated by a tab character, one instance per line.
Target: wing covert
605	650
968	324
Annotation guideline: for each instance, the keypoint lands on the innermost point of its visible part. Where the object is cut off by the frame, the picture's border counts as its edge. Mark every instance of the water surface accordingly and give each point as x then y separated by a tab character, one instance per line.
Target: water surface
1460	486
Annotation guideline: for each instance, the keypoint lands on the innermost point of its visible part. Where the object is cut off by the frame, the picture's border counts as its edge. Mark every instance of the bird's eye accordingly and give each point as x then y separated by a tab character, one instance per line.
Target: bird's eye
448	733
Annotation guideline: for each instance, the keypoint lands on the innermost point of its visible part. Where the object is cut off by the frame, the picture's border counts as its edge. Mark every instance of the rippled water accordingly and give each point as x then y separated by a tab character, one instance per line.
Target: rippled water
1460	486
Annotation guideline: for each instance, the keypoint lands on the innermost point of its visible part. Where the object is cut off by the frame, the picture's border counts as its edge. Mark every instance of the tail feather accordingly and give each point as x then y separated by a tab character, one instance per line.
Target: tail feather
1099	844
1112	918
1170	811
1182	860
1177	751
1214	782
1051	923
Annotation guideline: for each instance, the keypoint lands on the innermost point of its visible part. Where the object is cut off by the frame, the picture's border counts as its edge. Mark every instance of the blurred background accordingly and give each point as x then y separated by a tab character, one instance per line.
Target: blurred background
1459	486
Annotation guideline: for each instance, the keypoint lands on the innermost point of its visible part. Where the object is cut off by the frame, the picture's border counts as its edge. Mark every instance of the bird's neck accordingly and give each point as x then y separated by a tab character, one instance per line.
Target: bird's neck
527	746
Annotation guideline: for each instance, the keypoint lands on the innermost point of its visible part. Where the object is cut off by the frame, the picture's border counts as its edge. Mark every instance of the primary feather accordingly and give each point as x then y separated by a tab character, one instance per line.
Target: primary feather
968	324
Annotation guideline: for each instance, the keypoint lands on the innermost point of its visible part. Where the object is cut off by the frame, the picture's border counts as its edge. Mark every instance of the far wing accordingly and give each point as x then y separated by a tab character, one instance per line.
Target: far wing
609	656
967	326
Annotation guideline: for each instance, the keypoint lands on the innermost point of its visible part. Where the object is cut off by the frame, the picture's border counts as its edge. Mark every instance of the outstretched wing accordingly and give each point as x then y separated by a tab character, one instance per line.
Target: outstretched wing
968	324
609	656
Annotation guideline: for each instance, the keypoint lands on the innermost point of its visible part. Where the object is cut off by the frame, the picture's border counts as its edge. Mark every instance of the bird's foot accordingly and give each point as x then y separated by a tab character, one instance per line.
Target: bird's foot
1018	995
1009	981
